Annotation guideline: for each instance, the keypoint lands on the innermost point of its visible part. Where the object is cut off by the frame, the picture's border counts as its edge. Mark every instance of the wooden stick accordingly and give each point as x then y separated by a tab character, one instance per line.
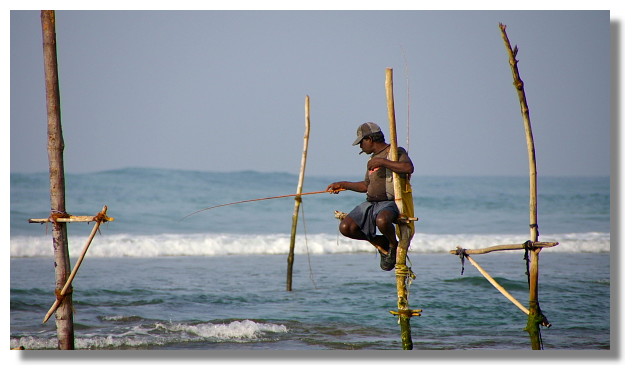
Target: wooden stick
298	199
532	245
529	138
532	322
62	293
404	231
401	219
497	285
71	219
501	289
64	321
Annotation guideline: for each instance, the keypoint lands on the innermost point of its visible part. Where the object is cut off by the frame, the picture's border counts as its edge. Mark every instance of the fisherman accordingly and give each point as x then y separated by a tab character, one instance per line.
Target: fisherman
379	211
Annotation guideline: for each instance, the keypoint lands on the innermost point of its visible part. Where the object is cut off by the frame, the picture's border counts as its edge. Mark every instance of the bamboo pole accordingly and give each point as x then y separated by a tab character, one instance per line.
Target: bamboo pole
521	246
68	283
497	285
298	198
535	316
70	219
405	231
64	315
401	219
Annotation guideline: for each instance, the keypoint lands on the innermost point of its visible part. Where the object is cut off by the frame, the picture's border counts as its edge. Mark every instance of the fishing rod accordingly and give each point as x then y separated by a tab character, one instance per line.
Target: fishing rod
335	191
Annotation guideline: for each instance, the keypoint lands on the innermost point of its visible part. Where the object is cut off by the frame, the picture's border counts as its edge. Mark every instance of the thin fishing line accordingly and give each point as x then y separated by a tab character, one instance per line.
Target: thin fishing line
403	53
306	244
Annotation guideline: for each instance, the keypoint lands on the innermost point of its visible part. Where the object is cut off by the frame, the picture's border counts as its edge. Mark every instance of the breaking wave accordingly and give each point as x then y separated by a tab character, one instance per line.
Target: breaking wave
128	245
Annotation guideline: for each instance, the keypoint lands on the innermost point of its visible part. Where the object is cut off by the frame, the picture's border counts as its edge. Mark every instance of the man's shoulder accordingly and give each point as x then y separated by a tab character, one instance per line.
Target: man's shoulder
402	151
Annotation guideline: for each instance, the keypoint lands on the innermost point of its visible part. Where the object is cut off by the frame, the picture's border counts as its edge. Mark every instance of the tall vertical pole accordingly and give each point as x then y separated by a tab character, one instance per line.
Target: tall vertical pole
298	198
405	231
535	315
64	314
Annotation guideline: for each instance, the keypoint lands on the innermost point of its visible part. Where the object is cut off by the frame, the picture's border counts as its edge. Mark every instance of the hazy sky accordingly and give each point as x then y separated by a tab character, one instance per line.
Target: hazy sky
225	90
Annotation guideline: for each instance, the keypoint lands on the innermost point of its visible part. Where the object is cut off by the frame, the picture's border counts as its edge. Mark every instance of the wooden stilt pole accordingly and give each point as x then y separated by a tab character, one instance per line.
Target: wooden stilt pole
298	198
64	314
405	231
535	315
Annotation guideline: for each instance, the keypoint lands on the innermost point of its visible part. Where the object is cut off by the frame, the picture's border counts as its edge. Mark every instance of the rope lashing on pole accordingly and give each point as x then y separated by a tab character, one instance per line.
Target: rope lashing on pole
403	270
461	253
527	245
262	199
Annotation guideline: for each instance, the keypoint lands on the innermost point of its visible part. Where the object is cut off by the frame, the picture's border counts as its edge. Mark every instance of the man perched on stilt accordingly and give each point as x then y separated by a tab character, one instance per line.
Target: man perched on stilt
379	211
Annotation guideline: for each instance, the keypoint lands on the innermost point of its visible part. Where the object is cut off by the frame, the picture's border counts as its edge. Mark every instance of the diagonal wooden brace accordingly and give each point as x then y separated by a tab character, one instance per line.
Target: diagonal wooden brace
99	218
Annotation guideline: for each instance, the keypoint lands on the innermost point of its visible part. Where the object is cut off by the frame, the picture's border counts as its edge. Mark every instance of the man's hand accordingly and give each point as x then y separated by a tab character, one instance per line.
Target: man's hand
335	187
376	163
395	166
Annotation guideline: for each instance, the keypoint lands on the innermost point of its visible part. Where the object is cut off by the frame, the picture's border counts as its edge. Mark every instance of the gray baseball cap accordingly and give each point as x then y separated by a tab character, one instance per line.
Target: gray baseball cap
366	129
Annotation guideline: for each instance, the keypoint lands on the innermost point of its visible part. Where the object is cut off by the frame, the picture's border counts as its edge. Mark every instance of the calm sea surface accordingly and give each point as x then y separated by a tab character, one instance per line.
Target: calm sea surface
216	280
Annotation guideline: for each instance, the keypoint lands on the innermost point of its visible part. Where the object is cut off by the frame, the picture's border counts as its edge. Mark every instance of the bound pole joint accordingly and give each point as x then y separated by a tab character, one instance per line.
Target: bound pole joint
407	313
60	294
405	219
58	215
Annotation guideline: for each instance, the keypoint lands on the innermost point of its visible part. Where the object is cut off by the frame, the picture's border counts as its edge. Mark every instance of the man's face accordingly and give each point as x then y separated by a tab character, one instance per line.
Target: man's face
366	145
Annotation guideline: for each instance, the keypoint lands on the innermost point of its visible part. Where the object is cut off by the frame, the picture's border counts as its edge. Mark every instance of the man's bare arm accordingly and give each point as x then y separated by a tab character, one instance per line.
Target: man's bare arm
359	187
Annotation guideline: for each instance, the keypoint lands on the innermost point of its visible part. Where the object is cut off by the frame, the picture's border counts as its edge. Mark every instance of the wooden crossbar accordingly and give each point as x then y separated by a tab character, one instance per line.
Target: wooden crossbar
71	219
401	219
531	245
100	217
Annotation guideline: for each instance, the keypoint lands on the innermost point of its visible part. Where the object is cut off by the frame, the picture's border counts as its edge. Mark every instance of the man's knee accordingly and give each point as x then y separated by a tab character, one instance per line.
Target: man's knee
348	227
385	218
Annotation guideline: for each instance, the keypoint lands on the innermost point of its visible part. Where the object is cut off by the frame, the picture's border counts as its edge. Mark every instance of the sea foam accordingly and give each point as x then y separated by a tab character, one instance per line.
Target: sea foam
162	333
125	245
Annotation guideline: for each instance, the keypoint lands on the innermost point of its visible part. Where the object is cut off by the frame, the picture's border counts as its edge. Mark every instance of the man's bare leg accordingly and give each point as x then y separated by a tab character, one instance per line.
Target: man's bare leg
350	229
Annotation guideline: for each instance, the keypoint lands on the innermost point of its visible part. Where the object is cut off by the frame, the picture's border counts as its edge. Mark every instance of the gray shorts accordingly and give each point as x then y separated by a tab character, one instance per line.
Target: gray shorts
366	213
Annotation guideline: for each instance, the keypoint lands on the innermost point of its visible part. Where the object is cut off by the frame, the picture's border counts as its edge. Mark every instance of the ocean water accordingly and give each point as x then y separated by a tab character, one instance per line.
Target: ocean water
155	279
